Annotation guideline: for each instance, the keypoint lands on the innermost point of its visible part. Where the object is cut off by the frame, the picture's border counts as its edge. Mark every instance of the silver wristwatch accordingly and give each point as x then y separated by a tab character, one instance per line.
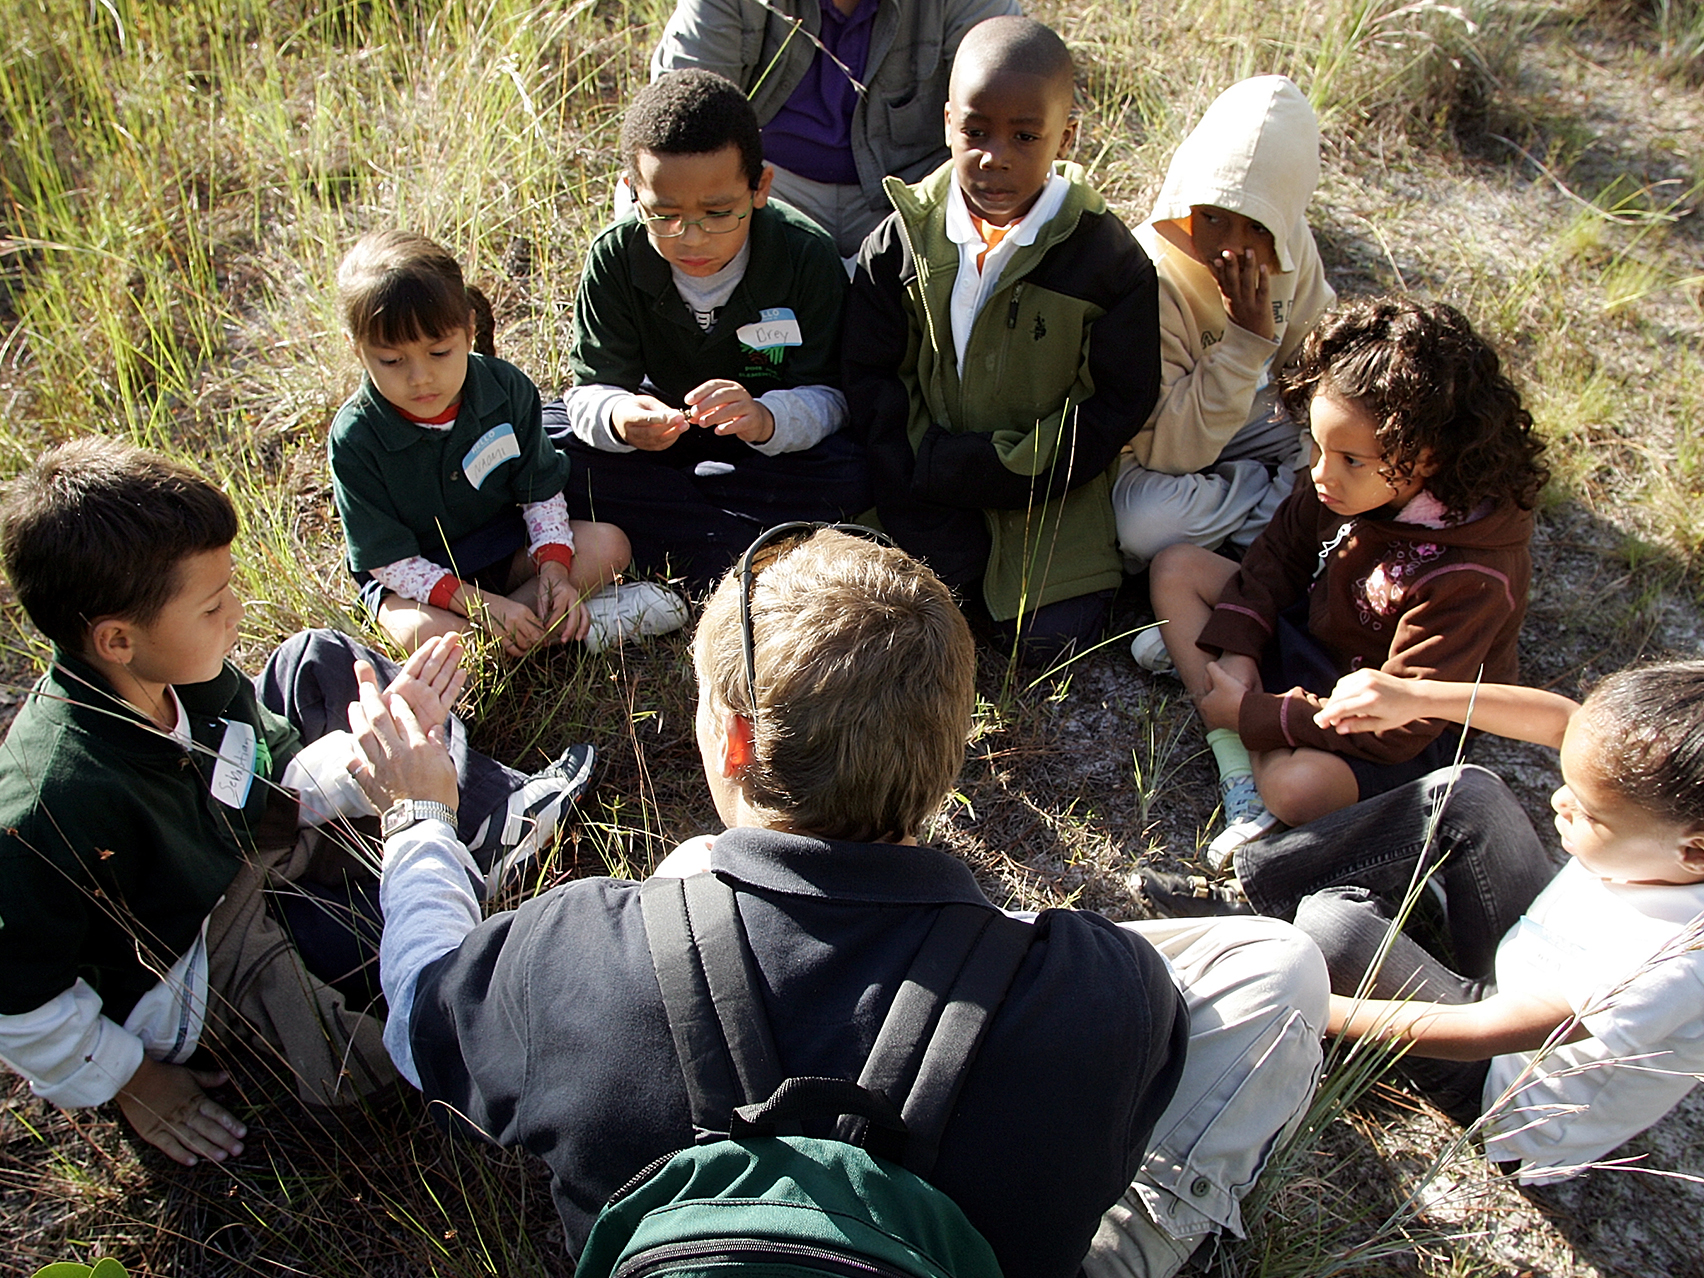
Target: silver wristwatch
405	812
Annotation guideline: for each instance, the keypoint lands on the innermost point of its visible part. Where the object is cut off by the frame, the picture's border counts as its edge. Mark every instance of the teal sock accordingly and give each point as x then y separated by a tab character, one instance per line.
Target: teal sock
1231	753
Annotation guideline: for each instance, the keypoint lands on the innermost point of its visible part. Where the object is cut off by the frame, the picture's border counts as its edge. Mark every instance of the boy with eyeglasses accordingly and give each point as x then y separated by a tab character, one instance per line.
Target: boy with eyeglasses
707	400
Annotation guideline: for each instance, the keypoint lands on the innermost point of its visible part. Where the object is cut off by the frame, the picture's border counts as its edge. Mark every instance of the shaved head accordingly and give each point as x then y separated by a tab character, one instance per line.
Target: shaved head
1014	45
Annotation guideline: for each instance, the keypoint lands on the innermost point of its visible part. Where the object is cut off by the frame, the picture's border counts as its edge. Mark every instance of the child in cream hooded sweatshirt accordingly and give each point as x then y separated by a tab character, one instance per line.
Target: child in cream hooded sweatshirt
1241	283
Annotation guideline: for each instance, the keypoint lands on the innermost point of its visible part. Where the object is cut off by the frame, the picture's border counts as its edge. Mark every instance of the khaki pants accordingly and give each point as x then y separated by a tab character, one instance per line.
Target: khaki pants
261	997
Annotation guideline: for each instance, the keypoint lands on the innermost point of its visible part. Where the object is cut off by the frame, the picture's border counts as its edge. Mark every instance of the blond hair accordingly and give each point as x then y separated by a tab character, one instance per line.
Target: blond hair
865	686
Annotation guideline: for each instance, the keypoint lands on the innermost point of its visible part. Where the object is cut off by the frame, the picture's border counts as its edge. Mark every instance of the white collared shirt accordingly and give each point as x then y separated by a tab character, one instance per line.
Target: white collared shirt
974	285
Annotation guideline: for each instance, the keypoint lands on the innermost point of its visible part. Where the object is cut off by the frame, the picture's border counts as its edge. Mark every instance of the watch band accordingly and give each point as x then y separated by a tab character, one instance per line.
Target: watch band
407	812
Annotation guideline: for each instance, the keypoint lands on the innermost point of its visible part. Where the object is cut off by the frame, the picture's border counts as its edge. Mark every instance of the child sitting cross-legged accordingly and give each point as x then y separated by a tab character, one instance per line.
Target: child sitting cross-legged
1002	346
1405	549
173	884
1604	956
449	491
707	404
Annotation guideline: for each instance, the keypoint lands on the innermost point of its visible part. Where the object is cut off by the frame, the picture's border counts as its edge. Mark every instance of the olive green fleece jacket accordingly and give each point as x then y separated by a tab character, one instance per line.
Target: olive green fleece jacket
1002	471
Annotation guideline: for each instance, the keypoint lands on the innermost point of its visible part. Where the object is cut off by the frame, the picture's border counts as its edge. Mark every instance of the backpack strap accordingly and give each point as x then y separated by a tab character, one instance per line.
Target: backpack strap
923	1050
958	981
704	970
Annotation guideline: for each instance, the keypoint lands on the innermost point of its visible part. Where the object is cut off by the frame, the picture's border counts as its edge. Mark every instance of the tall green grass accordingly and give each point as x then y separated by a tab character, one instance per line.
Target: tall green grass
177	184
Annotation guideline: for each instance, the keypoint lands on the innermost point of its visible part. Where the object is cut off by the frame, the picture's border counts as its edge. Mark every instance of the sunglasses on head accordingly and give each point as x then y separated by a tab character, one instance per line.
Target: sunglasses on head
771	545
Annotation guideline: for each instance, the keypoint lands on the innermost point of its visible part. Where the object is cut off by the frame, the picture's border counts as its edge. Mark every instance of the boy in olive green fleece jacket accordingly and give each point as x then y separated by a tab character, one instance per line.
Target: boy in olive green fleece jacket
1002	345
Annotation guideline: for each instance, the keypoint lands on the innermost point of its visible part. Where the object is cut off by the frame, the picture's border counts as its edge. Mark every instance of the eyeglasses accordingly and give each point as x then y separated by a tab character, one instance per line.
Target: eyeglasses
669	228
771	545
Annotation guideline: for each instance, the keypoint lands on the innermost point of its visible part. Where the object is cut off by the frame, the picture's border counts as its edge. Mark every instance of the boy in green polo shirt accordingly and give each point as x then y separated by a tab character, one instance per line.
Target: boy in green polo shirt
172	878
707	403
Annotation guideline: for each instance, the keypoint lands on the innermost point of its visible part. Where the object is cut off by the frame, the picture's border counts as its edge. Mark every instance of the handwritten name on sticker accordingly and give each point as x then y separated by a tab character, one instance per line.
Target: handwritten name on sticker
234	773
490	451
777	326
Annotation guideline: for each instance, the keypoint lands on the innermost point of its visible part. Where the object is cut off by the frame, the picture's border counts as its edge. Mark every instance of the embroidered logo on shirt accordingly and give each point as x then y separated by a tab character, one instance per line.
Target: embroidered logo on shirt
1040	329
490	451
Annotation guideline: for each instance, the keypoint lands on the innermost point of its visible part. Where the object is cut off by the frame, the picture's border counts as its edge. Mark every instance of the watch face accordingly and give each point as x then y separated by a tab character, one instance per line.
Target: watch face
398	817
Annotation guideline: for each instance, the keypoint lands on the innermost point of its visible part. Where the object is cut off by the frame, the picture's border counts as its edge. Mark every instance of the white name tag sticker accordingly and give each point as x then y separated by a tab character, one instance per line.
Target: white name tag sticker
777	326
234	773
490	451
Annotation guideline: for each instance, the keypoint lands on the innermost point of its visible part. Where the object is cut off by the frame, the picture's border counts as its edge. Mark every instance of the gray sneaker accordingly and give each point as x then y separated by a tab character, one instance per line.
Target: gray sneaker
510	840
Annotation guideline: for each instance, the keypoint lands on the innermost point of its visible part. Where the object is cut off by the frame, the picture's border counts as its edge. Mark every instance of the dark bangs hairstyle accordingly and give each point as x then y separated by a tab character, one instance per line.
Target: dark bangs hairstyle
395	287
1435	387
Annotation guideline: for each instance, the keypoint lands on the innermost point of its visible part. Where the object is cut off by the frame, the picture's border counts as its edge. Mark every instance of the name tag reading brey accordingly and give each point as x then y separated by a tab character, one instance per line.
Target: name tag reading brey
234	773
490	451
777	326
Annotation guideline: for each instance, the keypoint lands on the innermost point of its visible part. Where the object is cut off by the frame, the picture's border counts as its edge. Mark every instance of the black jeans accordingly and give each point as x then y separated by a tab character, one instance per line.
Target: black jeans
1342	879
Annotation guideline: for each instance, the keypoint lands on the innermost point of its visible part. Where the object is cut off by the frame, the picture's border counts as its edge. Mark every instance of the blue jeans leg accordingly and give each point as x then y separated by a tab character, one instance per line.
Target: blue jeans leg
1349	926
1484	852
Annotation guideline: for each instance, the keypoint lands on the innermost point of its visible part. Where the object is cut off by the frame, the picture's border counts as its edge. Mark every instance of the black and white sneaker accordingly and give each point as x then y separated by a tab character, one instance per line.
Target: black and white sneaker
510	840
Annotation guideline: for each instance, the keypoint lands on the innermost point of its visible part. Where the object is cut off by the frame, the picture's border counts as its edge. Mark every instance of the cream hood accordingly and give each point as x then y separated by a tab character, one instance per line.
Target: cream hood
1255	152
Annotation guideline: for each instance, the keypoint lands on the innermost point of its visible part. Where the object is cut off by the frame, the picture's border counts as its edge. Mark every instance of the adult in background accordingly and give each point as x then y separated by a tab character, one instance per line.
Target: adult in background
847	91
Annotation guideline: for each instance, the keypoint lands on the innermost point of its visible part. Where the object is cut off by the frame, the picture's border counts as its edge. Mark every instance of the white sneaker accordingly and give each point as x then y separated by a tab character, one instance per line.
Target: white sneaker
1149	650
1246	819
633	610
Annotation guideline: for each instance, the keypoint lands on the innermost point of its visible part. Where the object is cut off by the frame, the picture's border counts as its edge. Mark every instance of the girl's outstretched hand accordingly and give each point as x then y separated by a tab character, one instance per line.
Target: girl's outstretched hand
1370	701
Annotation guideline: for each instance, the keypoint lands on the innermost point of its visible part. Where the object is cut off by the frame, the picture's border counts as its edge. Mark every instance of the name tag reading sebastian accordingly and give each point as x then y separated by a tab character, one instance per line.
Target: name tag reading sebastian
234	773
777	326
490	451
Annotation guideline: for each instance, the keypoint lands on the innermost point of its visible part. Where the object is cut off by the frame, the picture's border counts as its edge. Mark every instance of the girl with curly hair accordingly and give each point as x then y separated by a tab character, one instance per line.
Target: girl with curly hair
1405	550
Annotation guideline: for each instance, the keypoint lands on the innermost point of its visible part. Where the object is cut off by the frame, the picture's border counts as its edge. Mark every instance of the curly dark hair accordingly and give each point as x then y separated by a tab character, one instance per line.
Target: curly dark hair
1436	389
1650	735
691	112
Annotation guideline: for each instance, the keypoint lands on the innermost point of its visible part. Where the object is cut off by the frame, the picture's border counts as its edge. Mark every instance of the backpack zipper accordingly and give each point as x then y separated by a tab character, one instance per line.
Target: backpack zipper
742	1251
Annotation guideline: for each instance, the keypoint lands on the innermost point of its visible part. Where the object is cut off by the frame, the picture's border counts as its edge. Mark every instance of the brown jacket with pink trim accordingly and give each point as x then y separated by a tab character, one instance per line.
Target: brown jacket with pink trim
1416	601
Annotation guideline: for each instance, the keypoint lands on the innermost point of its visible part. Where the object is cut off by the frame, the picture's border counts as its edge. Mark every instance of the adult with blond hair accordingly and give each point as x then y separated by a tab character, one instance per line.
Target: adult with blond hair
836	687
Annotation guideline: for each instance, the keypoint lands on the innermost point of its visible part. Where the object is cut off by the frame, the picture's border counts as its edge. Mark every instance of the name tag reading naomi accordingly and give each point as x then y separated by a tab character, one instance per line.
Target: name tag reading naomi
490	451
777	326
234	773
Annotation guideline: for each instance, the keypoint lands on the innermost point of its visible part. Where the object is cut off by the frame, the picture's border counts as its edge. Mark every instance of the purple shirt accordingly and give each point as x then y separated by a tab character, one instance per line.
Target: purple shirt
811	135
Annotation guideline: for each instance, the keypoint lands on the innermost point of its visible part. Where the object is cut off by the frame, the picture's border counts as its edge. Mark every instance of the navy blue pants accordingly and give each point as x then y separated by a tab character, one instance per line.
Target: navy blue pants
310	680
693	508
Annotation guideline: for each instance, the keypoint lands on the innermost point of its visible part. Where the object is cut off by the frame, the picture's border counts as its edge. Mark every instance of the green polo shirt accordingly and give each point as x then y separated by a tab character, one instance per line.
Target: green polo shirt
631	326
112	848
404	490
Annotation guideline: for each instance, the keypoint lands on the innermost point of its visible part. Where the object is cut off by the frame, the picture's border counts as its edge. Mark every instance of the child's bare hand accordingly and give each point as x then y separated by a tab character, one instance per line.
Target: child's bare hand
1222	704
431	679
168	1108
559	610
1247	288
729	409
514	623
1370	701
646	422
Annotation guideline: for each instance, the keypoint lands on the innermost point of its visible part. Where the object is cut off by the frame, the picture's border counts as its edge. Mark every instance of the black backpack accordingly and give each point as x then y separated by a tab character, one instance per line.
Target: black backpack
753	1194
